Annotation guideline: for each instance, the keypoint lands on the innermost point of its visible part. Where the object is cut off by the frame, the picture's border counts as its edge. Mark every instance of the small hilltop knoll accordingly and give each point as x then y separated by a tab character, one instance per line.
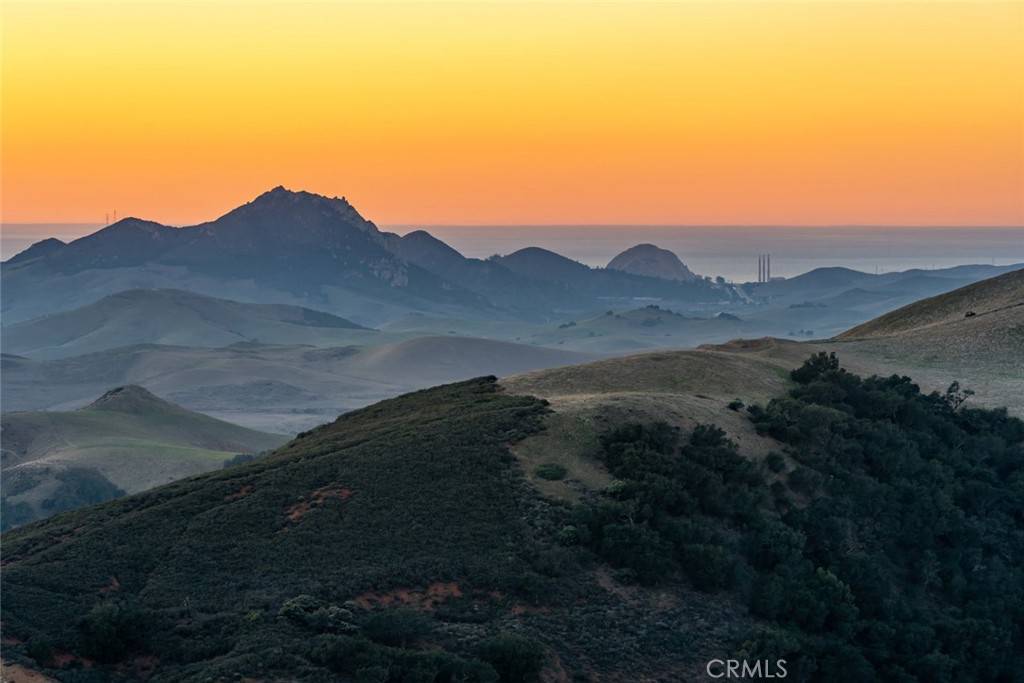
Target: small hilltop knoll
126	441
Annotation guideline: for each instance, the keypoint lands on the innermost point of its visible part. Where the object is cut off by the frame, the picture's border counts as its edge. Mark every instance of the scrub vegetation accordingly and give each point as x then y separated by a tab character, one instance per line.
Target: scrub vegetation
883	541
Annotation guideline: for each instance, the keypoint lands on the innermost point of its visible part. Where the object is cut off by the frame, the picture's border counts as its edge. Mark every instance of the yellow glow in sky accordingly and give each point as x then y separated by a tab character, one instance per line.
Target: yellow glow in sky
694	113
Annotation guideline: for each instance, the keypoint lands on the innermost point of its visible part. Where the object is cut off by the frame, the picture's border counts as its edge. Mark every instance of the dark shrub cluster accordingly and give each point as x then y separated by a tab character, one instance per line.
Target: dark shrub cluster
893	549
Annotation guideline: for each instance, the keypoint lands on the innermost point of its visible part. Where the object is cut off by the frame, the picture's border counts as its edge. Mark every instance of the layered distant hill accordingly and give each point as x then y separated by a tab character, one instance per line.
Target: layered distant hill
126	441
528	297
825	284
175	317
310	250
977	310
280	388
648	327
973	335
627	519
608	285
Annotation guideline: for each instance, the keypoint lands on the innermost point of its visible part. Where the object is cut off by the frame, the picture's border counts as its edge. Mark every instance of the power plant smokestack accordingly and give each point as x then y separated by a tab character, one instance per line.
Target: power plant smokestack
764	267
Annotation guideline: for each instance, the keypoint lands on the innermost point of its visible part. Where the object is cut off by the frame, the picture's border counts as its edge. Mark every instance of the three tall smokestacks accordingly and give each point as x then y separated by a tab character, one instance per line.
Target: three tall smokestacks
764	268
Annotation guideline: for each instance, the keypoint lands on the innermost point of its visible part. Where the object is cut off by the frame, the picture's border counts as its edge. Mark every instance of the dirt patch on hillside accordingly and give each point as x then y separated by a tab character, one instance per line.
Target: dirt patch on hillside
240	493
434	594
316	499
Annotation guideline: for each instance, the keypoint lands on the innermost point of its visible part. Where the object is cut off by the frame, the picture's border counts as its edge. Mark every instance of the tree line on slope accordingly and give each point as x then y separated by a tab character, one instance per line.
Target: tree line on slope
886	542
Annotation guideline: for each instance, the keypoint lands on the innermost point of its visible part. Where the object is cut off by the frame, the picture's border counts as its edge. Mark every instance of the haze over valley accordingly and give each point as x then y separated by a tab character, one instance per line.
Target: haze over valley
331	314
294	308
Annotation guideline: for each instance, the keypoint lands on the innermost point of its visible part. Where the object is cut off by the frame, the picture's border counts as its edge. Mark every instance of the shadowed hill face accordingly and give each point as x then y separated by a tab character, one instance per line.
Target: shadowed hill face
129	242
542	264
518	293
296	240
39	249
422	248
282	217
403	495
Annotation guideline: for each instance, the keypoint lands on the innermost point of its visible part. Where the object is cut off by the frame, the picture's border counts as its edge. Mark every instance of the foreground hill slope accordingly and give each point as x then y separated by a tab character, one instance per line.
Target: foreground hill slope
175	317
126	441
995	296
412	502
403	543
973	335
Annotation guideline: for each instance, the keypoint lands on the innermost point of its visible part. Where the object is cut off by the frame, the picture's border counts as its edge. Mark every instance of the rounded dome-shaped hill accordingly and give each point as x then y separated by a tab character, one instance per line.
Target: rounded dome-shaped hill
652	261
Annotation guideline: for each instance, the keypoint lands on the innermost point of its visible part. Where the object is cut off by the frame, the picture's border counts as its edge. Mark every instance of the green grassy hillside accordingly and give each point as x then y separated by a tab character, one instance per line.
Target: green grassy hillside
126	441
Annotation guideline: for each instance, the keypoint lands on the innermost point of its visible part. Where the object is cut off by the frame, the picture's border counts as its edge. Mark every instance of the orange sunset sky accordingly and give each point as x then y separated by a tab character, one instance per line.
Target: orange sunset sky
807	113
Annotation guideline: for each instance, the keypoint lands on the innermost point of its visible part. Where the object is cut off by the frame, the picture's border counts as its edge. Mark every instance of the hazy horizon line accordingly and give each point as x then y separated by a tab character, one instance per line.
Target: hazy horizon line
415	225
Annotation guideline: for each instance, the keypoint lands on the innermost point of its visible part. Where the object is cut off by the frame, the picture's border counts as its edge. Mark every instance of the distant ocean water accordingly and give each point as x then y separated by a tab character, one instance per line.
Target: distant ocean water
727	251
732	251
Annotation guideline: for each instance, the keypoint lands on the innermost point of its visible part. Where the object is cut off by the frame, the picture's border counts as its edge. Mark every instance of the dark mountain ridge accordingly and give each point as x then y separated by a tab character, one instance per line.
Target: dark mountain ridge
319	251
297	243
37	250
529	297
604	284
